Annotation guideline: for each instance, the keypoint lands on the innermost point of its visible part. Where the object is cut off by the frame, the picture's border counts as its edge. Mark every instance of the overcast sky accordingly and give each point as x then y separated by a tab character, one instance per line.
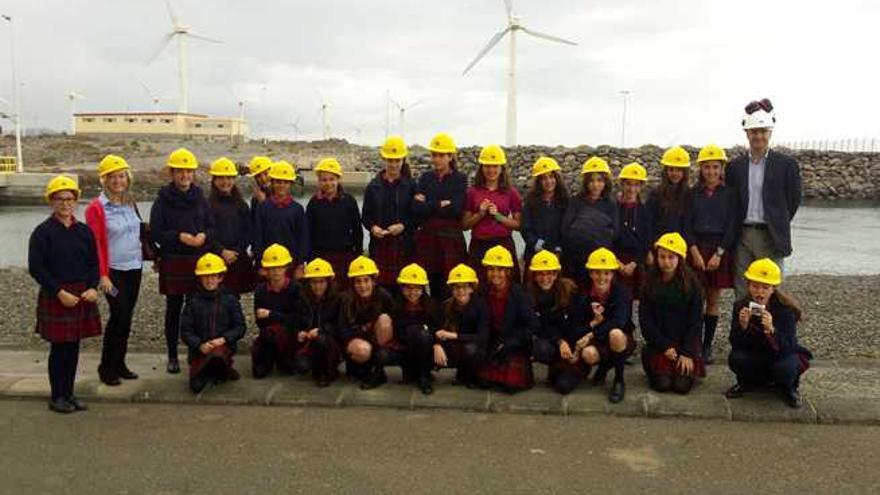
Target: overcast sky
691	65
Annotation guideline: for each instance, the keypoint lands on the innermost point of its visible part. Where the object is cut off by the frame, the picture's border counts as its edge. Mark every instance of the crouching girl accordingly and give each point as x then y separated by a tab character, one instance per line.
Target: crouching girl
416	318
461	341
318	324
275	303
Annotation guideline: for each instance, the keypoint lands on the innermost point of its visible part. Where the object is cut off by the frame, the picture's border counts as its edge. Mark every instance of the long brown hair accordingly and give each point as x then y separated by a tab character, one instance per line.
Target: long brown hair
786	300
684	277
585	181
536	192
331	293
504	180
404	169
215	195
673	197
563	289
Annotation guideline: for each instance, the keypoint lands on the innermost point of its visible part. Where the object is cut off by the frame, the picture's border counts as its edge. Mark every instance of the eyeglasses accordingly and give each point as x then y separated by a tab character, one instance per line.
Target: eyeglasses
762	104
66	199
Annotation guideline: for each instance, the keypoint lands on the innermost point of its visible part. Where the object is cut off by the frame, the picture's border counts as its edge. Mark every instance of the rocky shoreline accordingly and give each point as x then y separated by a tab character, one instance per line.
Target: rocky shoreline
840	315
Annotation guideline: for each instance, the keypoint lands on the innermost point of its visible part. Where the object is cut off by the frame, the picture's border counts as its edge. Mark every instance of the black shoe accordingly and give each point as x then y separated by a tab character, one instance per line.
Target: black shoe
618	390
708	355
111	381
127	374
233	375
173	366
426	385
322	380
377	379
61	406
793	398
77	403
198	384
599	376
735	392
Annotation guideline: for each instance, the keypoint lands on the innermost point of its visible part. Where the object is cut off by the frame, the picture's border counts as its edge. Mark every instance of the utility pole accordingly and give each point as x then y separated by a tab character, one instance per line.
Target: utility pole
625	93
16	107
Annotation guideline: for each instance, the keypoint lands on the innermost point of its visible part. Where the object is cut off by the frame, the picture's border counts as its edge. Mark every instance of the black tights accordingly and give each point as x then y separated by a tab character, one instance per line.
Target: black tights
679	384
173	306
63	360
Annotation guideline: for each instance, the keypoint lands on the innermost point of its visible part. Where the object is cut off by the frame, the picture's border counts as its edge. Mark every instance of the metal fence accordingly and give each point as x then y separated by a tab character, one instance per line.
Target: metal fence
856	145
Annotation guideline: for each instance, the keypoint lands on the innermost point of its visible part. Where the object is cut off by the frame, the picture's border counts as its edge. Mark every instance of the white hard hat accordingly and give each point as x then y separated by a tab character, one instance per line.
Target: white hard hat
759	120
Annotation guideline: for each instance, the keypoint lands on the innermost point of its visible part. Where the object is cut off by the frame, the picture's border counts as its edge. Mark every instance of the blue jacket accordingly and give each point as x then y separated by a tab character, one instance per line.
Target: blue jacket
285	225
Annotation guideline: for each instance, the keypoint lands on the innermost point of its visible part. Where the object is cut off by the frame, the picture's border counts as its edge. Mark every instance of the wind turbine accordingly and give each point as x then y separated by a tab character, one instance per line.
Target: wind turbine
513	25
180	32
325	127
295	126
72	97
154	98
401	122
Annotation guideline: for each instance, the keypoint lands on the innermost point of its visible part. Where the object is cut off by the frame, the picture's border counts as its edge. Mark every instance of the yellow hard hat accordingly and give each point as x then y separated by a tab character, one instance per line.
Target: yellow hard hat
544	165
110	164
442	143
393	148
673	241
182	158
258	165
498	256
276	255
676	157
210	264
61	183
596	164
319	268
223	167
602	259
764	271
544	261
329	165
711	152
462	274
362	266
492	155
413	274
633	171
281	170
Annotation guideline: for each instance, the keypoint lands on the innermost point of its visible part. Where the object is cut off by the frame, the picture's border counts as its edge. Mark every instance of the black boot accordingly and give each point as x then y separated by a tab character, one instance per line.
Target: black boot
173	366
618	389
793	398
601	373
60	405
736	391
710	323
425	383
376	379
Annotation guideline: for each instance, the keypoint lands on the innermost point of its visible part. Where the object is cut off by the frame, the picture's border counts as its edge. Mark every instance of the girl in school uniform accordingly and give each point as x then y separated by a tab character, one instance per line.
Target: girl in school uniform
462	340
438	206
416	317
633	232
276	302
282	220
763	336
211	326
512	322
670	319
492	208
334	220
366	328
590	221
63	260
182	227
559	306
387	213
318	324
668	204
258	169
604	336
232	227
116	225
712	230
544	208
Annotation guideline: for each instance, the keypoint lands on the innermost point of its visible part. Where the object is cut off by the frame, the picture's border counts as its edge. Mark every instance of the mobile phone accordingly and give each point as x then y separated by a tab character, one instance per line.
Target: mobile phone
756	309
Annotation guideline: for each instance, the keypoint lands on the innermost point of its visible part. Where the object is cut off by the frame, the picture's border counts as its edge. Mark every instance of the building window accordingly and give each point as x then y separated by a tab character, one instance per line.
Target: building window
219	126
109	119
166	121
198	125
149	121
88	119
131	121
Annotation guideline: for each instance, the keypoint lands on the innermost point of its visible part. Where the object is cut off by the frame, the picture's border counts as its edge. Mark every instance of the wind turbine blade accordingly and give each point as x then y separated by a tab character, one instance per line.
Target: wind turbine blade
162	44
203	38
548	37
398	105
418	102
508	4
147	89
171	14
492	42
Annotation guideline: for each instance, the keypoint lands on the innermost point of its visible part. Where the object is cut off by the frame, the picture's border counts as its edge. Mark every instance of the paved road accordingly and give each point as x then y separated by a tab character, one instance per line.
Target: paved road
175	449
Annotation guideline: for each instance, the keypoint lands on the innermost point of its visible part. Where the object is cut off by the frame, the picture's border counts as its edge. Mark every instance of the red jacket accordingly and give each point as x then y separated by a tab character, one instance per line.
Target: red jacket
97	221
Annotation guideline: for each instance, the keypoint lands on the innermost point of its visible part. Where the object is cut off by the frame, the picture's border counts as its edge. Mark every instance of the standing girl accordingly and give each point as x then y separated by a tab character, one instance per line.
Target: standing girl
258	168
545	206
462	340
281	220
318	324
590	221
512	322
633	232
182	227
416	317
334	219
492	209
63	260
116	225
232	227
712	227
669	318
387	213
668	203
438	205
276	302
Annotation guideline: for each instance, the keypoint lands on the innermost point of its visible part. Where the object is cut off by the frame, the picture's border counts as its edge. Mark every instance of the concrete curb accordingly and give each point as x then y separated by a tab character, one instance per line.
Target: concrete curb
826	400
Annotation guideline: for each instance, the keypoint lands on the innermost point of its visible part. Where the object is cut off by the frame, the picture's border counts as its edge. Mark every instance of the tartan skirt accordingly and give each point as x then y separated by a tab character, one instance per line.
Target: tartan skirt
57	323
339	260
241	277
327	360
177	274
440	246
391	253
722	277
603	346
633	282
479	247
198	362
655	363
512	371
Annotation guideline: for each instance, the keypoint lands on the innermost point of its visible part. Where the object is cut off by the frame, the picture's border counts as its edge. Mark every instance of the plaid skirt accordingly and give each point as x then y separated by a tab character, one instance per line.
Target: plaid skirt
198	362
241	277
634	281
512	371
281	340
656	363
339	260
391	253
326	361
603	346
440	246
57	323
177	274
722	277
479	247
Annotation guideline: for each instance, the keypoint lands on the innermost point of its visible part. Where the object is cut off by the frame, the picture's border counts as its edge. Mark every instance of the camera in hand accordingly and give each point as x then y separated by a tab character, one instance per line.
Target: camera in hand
756	309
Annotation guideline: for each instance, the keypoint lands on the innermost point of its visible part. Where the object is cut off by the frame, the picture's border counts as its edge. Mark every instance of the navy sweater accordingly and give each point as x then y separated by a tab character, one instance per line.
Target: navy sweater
208	315
519	323
59	255
357	313
387	203
175	212
322	314
589	225
232	224
282	224
335	225
554	323
470	322
542	220
634	231
662	221
753	339
452	188
616	313
712	215
283	305
671	318
427	314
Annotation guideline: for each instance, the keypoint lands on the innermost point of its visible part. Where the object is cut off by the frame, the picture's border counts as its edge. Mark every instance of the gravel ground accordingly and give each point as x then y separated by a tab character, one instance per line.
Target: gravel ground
841	318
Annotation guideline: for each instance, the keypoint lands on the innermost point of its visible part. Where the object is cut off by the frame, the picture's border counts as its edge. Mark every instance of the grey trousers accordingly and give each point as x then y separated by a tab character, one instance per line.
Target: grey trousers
754	243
